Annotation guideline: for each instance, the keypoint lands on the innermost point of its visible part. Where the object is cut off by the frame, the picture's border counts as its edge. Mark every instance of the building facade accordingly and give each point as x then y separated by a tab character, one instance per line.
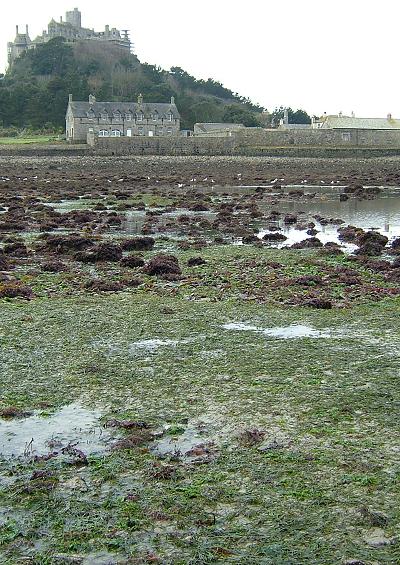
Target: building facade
71	30
120	119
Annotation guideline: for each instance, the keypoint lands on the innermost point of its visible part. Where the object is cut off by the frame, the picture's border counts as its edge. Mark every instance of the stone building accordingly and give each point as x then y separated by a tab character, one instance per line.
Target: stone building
120	119
71	30
341	122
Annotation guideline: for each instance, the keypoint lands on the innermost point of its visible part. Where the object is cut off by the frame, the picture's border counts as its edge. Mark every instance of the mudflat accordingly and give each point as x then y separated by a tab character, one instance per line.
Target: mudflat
199	360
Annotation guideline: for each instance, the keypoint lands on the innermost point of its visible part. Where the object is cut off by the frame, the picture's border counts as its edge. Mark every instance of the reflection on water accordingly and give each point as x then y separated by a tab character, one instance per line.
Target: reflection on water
381	213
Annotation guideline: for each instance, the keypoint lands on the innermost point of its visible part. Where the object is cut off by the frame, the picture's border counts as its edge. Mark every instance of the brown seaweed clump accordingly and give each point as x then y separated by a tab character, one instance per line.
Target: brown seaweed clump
163	265
15	289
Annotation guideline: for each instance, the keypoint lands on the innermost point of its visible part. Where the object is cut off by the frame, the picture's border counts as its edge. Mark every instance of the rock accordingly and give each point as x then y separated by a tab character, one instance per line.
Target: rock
271	237
138	244
15	289
163	265
101	252
248	239
309	243
372	237
377	538
395	245
349	234
290	219
319	303
195	261
370	249
3	262
132	261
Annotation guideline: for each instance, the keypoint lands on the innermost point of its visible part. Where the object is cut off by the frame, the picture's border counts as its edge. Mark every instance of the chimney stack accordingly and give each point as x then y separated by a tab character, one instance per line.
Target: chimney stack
140	99
70	98
389	116
16	30
92	99
172	100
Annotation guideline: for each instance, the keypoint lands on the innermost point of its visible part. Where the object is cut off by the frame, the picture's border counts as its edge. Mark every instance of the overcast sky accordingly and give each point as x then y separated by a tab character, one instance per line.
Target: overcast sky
319	55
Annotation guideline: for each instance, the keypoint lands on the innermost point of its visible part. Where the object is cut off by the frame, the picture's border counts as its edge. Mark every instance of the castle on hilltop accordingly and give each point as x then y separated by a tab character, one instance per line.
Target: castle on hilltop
71	29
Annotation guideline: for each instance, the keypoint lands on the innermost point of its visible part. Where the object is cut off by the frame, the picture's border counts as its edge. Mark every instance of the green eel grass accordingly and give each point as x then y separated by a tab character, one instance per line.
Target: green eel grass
314	490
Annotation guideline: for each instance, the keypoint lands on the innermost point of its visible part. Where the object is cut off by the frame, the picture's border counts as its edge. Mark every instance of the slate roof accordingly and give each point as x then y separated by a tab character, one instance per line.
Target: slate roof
81	109
344	122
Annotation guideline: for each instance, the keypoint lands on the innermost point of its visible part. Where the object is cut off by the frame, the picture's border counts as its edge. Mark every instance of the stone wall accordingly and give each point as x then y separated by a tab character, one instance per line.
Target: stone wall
258	137
163	145
251	141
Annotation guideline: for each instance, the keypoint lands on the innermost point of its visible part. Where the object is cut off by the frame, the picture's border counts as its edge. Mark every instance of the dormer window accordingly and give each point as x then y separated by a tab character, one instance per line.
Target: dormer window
170	117
91	114
128	116
117	115
104	115
139	116
155	116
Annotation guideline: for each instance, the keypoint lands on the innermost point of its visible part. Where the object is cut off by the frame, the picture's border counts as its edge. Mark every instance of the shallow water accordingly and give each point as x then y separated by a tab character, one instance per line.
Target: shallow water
183	444
294	331
381	213
39	435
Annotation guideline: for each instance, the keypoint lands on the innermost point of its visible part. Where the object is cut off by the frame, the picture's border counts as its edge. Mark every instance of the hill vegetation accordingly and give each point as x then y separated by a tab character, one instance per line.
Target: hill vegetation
34	92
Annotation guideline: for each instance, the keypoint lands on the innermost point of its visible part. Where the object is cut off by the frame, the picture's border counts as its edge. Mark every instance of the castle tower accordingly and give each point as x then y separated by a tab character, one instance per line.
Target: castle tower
21	44
74	18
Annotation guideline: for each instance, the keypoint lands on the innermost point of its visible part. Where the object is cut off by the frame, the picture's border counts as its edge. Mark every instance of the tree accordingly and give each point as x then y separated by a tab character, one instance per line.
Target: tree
295	117
237	115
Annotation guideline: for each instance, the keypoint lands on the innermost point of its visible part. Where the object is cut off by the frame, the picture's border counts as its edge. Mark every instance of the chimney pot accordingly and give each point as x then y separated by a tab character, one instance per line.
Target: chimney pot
389	116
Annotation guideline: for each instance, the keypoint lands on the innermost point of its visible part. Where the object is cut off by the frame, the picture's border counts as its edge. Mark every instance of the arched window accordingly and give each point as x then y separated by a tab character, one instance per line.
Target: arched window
115	133
103	133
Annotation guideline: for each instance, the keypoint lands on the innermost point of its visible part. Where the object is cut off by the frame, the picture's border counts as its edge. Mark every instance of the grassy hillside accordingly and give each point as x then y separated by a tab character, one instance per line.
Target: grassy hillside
35	90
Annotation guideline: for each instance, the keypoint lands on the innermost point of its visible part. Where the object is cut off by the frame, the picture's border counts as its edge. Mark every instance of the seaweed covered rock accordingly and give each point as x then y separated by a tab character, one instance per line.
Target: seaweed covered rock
102	252
274	237
350	234
395	245
132	261
15	289
16	249
54	267
249	239
309	243
65	243
163	265
138	244
196	261
319	303
4	266
372	237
